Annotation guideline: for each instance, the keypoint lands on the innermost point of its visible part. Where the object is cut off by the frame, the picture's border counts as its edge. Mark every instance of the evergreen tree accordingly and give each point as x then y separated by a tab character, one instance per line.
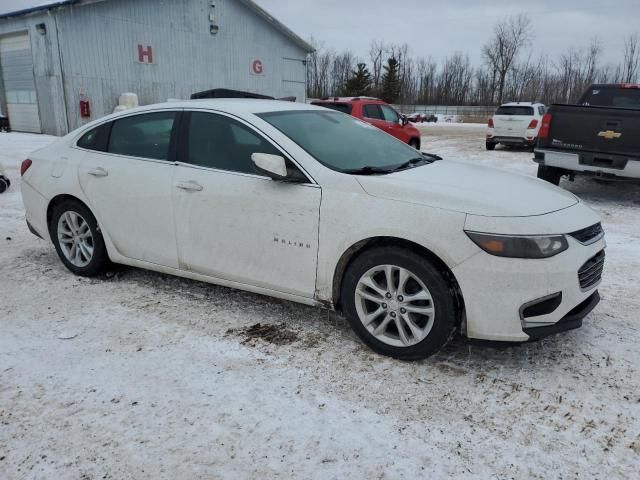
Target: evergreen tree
391	81
359	84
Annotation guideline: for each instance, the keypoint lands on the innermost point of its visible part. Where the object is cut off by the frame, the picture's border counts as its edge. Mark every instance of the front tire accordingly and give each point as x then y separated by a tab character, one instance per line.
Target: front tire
398	303
415	143
550	174
4	184
77	239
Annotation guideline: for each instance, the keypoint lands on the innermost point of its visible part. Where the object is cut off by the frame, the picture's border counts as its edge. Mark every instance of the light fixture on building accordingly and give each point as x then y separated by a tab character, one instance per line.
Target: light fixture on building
213	27
41	28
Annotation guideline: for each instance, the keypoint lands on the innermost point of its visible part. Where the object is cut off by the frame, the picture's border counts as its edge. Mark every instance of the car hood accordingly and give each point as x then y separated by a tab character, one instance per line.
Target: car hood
472	189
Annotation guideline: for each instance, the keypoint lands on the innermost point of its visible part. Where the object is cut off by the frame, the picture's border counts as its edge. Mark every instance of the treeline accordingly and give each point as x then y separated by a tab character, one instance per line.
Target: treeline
508	72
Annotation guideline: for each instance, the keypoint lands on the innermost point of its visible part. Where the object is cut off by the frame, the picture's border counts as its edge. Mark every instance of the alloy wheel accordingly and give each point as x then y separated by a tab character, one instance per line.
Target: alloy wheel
394	305
75	239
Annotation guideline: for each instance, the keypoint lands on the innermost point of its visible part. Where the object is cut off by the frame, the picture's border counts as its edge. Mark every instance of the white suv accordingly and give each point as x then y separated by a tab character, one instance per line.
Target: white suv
515	124
315	206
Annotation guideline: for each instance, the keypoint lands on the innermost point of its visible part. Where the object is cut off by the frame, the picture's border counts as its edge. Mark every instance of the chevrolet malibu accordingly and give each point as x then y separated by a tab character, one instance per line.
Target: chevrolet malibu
314	206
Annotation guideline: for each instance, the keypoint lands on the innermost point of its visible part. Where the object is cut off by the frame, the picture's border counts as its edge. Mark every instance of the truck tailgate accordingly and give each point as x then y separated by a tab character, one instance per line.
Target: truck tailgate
594	129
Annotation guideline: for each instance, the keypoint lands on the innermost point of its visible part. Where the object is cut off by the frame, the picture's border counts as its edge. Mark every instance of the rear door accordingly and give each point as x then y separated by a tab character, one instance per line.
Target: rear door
129	185
512	120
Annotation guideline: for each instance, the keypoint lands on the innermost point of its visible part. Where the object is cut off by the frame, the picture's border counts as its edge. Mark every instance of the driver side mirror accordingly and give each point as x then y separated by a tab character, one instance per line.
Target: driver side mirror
273	166
404	120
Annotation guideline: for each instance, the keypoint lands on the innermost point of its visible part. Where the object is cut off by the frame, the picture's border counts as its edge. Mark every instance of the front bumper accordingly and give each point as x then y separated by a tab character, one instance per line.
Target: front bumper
570	321
496	289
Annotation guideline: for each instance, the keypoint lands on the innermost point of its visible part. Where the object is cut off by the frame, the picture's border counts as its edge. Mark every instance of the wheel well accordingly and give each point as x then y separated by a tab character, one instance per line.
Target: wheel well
364	245
55	201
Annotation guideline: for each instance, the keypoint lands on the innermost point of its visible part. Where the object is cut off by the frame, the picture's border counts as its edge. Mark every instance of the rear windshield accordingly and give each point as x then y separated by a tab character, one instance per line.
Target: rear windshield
515	111
612	97
340	107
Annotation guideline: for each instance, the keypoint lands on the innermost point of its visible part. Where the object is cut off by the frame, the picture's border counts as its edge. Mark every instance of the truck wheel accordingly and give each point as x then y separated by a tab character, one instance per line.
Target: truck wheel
491	146
415	143
550	174
4	185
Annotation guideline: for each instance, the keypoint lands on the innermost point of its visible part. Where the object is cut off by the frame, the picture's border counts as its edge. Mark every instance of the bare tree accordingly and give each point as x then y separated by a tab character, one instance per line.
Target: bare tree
631	58
511	35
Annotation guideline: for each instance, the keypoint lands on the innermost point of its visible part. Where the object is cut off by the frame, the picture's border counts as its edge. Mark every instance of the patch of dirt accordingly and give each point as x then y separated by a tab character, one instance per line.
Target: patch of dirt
275	334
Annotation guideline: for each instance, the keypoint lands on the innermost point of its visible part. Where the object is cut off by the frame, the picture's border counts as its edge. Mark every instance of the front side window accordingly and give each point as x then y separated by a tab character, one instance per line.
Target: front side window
390	115
339	141
372	111
220	142
146	136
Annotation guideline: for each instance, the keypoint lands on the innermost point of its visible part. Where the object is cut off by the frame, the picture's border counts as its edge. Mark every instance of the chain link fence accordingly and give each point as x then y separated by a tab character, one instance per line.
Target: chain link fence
444	113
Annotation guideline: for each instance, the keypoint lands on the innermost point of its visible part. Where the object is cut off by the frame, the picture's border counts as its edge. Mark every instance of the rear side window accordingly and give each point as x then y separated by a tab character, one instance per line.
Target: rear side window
612	97
339	107
146	136
219	142
96	139
372	111
515	110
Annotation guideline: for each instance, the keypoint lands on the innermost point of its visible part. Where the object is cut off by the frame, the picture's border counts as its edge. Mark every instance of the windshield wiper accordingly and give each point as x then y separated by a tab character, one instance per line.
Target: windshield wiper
425	158
369	170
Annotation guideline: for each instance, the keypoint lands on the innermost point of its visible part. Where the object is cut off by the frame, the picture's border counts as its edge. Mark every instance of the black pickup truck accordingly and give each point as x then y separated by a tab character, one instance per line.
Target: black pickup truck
600	136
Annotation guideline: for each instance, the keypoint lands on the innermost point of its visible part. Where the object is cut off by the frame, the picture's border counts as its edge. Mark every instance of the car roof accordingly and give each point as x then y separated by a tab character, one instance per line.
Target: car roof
230	105
521	104
347	100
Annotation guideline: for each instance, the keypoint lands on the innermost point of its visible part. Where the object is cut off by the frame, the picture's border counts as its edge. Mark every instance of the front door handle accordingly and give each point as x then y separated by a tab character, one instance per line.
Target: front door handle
190	186
98	172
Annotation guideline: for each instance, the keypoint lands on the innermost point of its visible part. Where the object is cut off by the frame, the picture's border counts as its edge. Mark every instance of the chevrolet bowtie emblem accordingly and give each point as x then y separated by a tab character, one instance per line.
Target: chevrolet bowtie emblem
609	134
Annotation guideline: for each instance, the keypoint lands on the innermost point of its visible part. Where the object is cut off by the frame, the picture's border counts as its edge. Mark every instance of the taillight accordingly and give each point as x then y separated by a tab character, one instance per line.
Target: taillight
546	125
490	123
533	124
25	166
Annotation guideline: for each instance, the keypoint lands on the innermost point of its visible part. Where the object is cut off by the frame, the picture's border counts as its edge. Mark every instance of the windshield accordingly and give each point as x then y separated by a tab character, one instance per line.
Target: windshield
339	141
528	111
612	97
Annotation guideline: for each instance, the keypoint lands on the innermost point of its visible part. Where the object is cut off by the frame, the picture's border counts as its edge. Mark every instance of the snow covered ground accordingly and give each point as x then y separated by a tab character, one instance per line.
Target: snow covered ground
140	375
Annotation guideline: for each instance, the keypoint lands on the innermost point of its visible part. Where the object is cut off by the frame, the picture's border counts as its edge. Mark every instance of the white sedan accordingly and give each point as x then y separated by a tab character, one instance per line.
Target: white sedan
314	206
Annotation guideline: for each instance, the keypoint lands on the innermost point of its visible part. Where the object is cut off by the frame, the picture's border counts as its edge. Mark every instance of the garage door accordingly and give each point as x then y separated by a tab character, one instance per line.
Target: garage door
19	86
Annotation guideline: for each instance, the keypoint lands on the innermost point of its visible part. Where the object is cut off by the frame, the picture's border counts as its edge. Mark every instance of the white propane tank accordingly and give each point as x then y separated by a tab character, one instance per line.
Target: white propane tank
129	100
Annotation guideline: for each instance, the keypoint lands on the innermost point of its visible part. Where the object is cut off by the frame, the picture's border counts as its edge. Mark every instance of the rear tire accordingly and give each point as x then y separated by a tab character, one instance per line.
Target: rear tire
491	146
410	317
550	174
77	239
4	185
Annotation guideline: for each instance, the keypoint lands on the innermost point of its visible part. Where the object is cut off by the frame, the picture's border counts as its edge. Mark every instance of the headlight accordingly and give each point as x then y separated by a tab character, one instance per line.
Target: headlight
512	246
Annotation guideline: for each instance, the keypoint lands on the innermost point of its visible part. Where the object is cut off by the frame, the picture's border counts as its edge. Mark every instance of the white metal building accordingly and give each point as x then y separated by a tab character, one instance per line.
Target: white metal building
55	54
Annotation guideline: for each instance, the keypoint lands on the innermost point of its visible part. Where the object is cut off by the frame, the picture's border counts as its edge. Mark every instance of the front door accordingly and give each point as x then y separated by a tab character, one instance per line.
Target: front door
129	186
235	224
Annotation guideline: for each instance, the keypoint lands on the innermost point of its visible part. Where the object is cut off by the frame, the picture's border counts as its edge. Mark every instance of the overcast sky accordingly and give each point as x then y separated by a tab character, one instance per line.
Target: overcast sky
441	27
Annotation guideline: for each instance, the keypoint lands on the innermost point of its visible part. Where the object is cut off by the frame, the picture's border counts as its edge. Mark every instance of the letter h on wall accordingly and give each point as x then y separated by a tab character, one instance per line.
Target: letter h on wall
145	55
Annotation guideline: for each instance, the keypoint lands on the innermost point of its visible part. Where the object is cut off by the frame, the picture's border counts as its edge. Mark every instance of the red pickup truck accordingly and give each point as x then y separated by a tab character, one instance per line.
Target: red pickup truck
377	113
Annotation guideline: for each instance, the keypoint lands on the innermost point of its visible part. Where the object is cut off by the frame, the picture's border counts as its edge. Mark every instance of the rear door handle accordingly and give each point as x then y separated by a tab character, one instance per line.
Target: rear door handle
190	186
98	172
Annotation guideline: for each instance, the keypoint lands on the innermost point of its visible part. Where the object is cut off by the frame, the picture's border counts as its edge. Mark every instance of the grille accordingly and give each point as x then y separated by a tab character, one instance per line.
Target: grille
591	272
589	234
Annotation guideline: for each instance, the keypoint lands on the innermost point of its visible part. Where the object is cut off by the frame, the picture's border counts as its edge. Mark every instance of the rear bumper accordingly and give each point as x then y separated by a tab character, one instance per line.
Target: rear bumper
521	141
607	166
